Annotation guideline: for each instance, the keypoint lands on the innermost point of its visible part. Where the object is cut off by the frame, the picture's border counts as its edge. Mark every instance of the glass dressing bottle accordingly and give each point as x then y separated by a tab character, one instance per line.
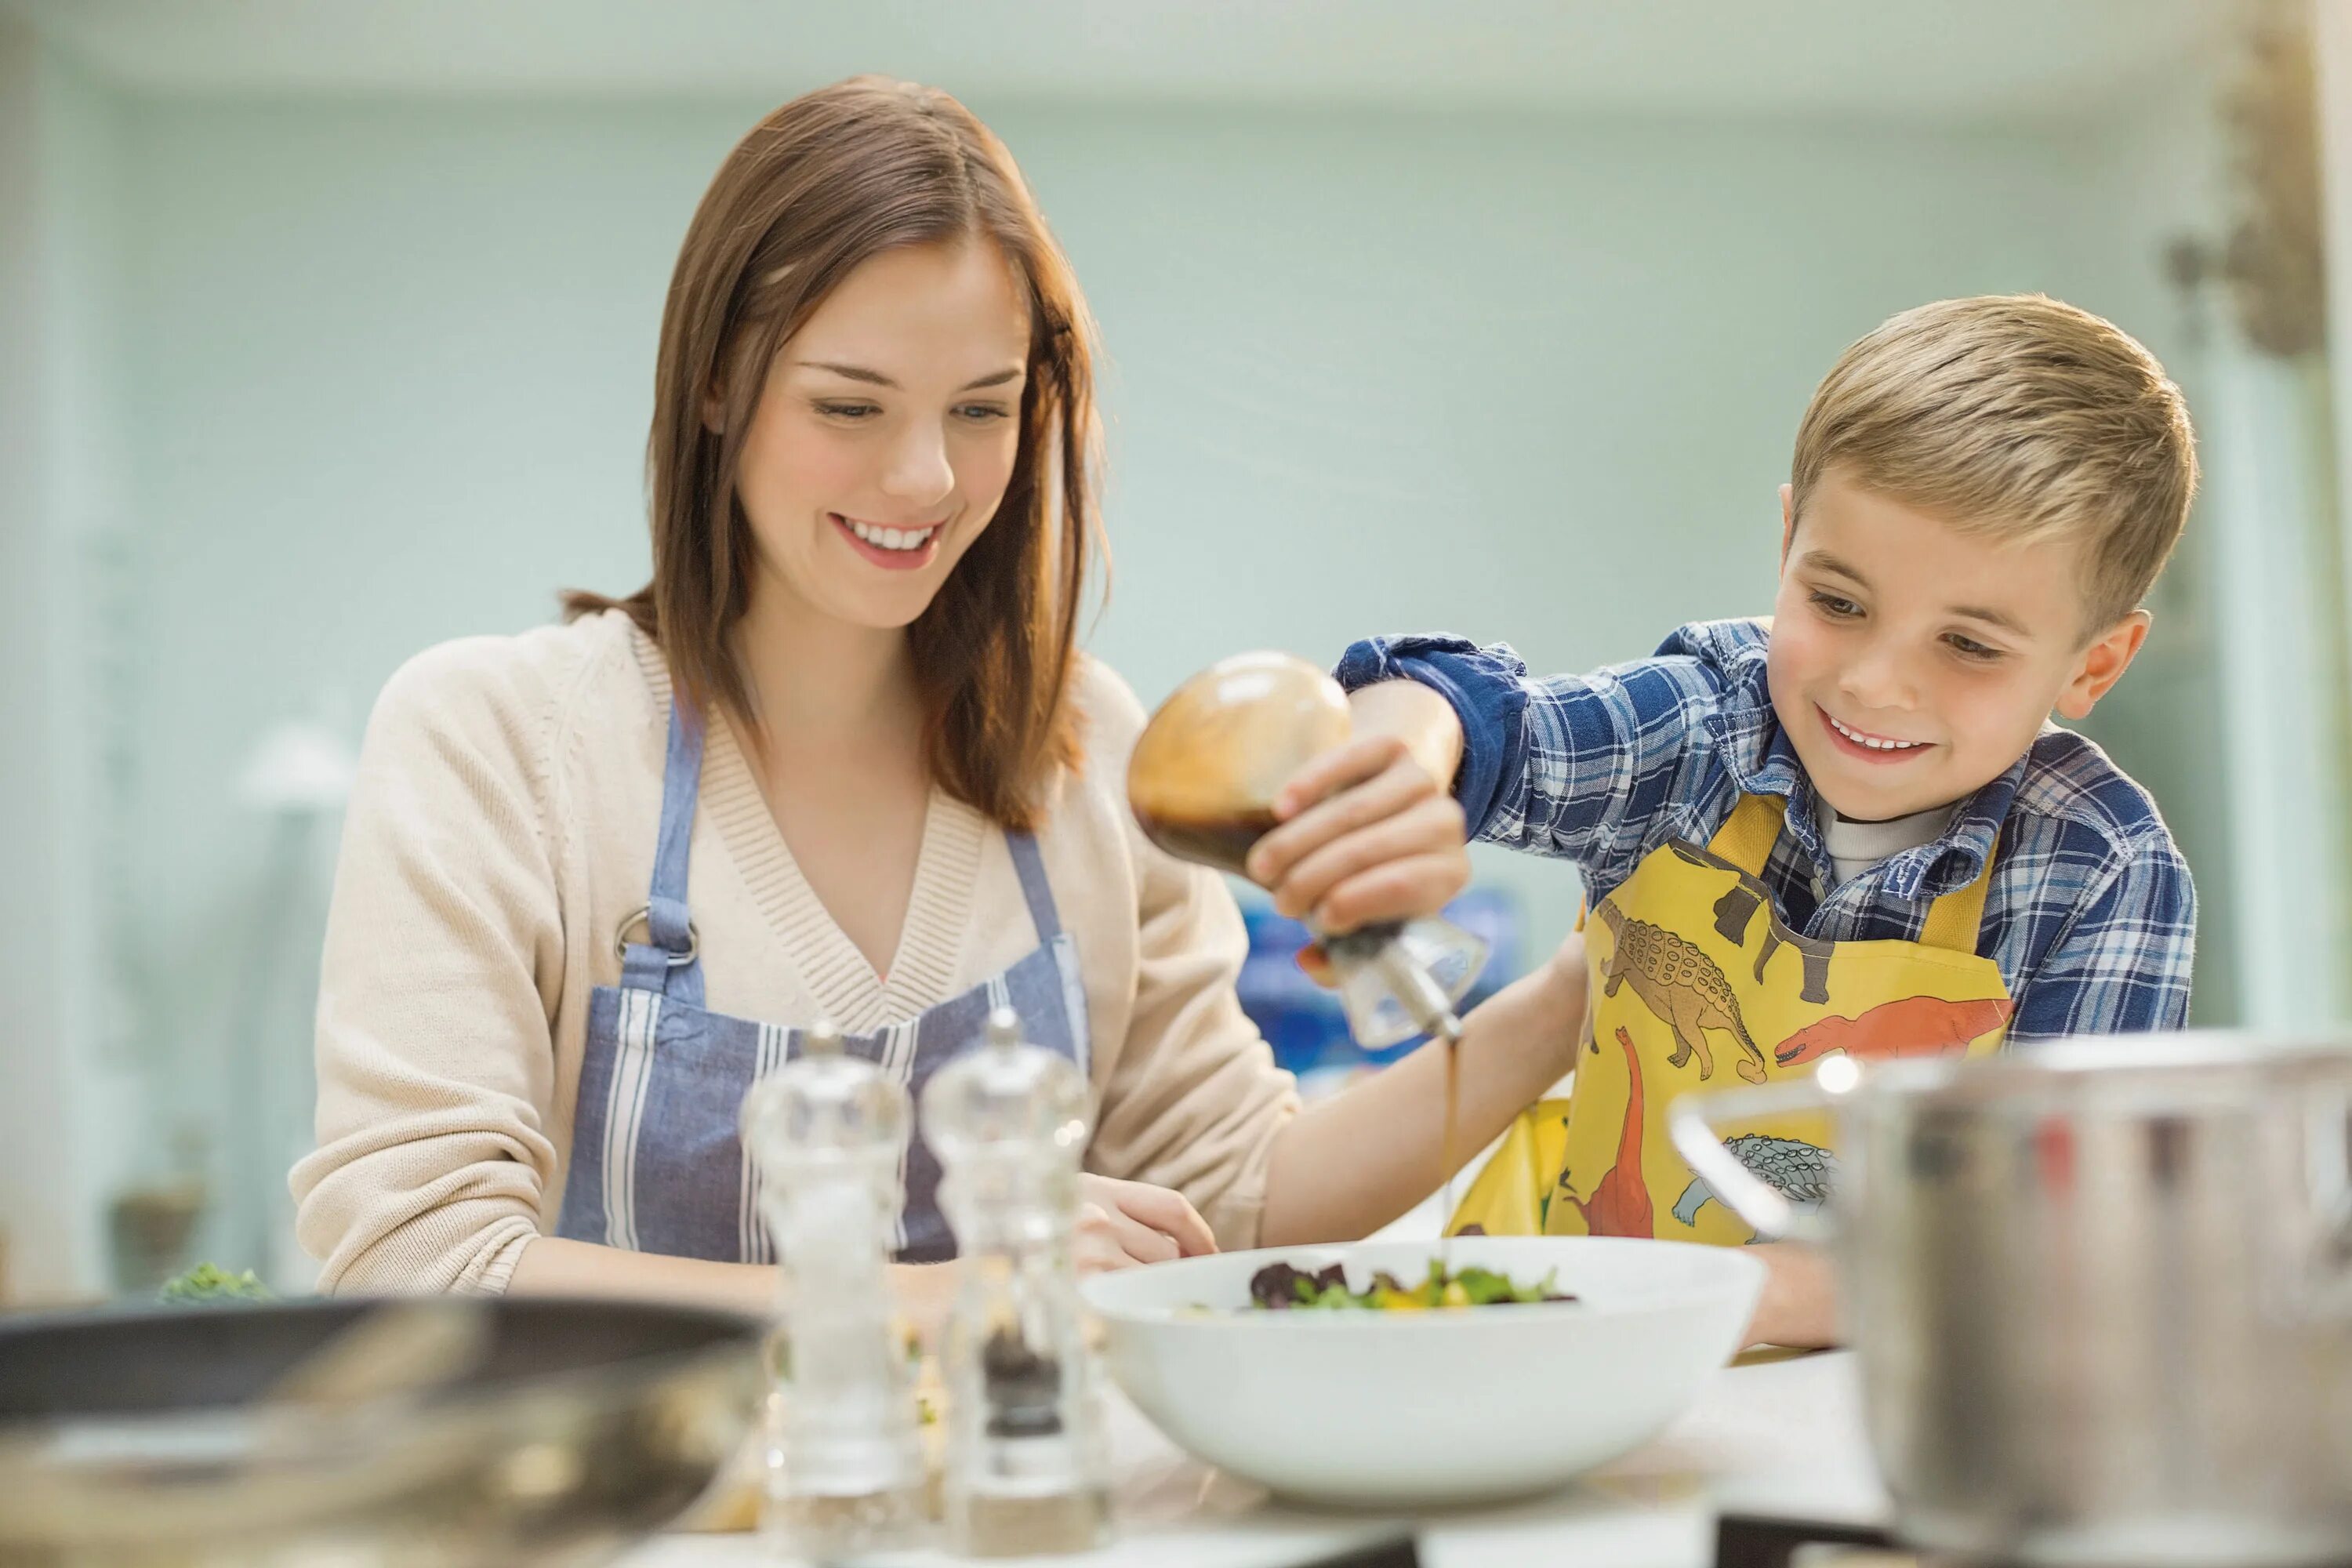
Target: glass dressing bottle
1201	782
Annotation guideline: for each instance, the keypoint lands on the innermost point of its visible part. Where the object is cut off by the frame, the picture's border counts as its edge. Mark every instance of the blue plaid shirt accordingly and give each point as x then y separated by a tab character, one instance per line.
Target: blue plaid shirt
2090	915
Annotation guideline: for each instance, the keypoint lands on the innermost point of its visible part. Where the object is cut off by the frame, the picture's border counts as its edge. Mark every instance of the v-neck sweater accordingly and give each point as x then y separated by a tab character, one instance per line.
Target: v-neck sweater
502	827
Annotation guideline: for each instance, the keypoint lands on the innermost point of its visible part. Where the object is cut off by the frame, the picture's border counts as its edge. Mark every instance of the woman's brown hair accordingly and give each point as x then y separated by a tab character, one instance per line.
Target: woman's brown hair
820	186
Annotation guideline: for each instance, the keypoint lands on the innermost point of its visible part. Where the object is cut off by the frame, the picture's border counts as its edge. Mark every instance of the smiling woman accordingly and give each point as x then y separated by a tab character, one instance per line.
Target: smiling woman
939	363
839	760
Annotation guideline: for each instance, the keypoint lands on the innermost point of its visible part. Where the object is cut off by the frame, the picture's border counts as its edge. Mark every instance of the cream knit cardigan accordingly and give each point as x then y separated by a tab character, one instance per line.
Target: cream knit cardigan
502	826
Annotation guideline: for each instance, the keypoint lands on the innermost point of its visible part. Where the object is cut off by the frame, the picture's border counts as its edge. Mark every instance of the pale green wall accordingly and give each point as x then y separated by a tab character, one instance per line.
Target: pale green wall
68	1090
1524	377
41	1236
386	367
2147	180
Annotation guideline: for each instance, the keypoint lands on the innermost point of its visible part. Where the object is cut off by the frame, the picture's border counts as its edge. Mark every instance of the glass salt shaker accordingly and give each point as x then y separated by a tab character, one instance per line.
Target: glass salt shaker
1026	1470
827	1133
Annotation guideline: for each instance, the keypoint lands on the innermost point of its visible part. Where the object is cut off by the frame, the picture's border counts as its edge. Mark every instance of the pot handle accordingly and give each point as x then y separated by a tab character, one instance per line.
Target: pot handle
1695	1122
2328	1151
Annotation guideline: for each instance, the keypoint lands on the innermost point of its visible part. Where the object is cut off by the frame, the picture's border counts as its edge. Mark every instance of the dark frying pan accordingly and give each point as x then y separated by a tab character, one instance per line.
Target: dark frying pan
137	1439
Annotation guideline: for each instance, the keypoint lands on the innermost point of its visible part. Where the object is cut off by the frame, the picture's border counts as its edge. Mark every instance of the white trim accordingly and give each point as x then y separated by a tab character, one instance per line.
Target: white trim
753	1244
624	1111
900	1042
1066	962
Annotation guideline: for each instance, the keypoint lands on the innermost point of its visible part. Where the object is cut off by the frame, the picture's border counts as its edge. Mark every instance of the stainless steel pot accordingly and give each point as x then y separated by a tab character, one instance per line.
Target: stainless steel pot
2101	1291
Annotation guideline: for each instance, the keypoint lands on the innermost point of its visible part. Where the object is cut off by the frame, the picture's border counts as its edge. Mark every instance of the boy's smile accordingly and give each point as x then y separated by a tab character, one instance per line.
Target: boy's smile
1913	663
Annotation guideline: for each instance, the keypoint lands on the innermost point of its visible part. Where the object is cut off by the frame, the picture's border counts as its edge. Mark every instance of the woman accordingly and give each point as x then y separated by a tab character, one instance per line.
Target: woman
839	759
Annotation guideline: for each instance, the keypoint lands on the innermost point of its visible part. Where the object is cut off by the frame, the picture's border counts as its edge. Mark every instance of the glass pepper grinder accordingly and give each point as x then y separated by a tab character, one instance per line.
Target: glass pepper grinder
1026	1470
827	1133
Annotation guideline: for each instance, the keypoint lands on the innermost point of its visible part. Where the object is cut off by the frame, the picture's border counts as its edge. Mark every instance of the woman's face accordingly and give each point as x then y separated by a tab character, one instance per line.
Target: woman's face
885	432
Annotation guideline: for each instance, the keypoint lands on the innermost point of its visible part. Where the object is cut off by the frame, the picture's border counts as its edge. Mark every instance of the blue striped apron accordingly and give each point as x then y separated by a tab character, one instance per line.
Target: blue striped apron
656	1163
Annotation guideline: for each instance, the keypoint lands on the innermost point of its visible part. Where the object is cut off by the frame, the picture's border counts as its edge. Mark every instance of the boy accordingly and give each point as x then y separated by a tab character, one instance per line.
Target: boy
1852	826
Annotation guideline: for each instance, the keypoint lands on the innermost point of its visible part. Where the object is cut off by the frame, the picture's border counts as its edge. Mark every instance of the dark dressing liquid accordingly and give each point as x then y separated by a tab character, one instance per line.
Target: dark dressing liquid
1451	1041
1223	842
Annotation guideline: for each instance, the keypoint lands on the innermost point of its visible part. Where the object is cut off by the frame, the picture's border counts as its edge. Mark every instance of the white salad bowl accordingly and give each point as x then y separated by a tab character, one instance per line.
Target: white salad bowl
1405	1409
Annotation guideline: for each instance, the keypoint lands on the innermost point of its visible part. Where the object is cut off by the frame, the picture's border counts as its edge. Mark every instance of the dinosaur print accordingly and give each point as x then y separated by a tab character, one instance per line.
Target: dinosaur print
1913	1027
1619	1204
1736	910
1681	986
1811	952
1798	1171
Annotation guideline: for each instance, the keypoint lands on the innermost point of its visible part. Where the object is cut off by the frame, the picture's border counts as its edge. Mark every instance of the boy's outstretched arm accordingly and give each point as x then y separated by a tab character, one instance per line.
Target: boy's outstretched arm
1552	766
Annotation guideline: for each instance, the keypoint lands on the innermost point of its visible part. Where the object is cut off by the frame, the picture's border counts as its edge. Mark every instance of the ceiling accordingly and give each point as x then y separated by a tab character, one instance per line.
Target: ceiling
1881	59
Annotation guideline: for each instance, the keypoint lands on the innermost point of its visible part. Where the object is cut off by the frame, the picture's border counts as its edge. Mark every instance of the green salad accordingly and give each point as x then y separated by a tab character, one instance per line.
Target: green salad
1281	1288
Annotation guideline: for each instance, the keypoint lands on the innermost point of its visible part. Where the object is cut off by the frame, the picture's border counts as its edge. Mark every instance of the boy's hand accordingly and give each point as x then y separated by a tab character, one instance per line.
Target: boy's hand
1798	1308
1368	831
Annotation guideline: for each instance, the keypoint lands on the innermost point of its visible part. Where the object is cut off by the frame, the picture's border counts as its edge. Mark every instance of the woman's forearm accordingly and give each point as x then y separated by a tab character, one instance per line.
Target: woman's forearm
1351	1164
554	1266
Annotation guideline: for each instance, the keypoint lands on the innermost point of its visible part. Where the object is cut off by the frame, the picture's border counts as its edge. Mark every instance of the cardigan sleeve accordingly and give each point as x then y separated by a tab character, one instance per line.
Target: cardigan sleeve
1195	1101
440	977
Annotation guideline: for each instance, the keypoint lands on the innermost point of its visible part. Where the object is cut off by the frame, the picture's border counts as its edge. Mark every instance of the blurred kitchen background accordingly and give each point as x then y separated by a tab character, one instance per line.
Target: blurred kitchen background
327	333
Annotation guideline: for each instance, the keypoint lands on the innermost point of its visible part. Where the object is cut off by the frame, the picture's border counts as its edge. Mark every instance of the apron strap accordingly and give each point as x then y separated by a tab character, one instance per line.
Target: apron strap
670	962
1954	919
1746	837
1031	865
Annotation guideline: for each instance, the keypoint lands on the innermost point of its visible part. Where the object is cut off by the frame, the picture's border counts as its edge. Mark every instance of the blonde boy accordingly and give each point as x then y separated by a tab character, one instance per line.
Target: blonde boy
1983	492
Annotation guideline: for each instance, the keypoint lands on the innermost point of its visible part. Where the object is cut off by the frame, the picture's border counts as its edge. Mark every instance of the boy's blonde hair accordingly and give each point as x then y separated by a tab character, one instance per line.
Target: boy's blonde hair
2015	417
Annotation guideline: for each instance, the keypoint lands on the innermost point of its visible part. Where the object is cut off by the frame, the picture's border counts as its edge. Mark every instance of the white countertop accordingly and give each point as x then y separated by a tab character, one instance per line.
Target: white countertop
1781	1437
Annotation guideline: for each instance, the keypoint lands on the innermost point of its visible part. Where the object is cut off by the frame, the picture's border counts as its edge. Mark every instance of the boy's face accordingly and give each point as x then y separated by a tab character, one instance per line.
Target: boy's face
1911	664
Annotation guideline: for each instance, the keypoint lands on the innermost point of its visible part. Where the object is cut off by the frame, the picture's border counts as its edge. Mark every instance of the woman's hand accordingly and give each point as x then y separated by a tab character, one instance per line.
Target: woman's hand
1368	831
1121	1224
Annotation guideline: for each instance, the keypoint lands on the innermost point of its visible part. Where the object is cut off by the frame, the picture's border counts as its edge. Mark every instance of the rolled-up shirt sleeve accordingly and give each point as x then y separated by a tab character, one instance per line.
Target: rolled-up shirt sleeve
1551	765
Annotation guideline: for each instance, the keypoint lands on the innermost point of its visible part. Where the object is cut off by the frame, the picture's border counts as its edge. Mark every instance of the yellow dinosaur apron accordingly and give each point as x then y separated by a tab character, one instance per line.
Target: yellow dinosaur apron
1694	980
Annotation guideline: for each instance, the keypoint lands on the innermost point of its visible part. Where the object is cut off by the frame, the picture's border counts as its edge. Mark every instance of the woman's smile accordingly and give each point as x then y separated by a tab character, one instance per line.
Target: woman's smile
906	547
